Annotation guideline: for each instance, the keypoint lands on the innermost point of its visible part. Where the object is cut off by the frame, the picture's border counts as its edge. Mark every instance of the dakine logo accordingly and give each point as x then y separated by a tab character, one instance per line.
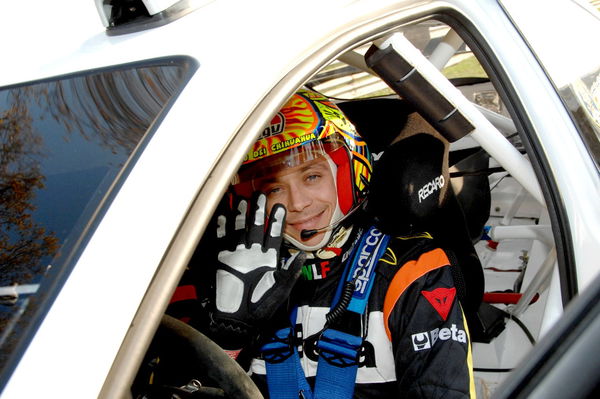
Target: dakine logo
431	187
426	340
275	127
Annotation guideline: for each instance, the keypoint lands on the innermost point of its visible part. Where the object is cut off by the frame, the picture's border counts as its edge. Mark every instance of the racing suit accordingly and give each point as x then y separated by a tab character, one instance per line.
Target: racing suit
416	338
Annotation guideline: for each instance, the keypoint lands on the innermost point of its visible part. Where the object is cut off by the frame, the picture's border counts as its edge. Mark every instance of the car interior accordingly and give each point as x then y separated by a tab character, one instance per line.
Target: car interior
429	108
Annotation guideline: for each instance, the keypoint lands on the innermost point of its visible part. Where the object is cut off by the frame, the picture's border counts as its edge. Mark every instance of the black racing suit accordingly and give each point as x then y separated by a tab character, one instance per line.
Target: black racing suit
417	342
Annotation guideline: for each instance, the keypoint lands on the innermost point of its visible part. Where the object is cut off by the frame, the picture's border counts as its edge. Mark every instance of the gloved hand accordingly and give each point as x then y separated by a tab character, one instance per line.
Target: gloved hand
251	280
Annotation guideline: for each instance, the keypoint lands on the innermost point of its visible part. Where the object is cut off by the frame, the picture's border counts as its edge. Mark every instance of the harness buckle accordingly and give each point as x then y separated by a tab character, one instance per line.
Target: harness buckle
339	349
280	346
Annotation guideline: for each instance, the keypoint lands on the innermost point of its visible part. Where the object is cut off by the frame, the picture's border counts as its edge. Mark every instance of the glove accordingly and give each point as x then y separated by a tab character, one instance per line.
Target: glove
251	280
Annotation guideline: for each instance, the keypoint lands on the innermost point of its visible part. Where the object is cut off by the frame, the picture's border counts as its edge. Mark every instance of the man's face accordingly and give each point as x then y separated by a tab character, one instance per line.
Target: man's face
308	193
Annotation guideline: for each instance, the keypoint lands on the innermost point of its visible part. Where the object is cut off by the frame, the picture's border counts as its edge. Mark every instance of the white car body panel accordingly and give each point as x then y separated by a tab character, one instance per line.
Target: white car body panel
250	53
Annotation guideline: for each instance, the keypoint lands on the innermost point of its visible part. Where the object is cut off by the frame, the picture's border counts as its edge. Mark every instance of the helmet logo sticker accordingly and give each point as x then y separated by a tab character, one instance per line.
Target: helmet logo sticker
441	299
276	126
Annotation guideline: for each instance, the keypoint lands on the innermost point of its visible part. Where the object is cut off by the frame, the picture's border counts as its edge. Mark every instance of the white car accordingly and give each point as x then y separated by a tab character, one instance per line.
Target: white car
122	123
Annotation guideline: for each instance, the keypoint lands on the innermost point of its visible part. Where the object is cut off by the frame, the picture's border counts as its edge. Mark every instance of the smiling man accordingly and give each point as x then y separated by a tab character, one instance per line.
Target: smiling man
327	304
309	195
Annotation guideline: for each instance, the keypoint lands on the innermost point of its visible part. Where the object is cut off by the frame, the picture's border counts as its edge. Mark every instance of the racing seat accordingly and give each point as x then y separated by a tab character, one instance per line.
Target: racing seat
411	191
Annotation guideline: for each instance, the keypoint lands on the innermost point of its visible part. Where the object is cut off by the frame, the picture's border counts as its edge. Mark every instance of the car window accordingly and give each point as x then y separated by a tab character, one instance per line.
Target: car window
63	145
578	83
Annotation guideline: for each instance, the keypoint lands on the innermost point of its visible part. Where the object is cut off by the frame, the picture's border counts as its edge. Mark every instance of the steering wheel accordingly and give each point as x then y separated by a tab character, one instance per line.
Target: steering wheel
180	341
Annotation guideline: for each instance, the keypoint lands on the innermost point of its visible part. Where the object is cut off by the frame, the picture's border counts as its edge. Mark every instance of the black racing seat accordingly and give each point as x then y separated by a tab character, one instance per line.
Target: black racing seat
411	191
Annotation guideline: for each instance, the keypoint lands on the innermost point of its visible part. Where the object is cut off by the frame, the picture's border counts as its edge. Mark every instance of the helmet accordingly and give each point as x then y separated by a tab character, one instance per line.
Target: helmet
307	127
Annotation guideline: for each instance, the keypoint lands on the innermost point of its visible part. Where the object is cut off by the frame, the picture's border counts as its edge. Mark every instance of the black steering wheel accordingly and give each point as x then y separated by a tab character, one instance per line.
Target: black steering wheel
178	344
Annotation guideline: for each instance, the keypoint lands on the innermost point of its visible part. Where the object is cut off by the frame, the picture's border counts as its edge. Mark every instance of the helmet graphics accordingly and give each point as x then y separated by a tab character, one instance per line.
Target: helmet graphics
310	125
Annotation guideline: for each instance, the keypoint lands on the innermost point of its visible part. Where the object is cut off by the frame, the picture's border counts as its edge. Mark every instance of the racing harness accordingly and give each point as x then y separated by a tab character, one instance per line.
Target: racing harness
339	344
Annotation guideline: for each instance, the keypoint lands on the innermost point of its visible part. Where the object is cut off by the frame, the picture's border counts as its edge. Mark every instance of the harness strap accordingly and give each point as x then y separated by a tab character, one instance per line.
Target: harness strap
338	364
284	371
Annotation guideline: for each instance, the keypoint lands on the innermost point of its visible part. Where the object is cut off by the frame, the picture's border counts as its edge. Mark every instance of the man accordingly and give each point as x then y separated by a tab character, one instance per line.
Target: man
327	304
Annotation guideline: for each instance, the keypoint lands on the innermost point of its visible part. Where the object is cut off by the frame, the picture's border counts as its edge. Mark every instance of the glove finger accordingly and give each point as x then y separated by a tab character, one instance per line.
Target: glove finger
222	213
276	223
256	224
293	266
221	226
237	223
286	276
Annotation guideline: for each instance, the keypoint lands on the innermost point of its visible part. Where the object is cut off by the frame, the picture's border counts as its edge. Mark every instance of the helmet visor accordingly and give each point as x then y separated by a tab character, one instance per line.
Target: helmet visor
248	178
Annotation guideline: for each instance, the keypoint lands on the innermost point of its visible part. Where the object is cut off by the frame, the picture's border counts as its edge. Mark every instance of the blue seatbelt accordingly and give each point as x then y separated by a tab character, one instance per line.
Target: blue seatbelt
285	376
338	350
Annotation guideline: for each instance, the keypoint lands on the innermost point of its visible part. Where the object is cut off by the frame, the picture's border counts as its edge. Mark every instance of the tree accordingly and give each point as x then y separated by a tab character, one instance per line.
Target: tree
22	242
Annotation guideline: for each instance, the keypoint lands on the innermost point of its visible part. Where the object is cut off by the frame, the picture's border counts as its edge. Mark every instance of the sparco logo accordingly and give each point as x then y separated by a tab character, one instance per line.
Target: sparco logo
275	127
429	188
366	261
426	340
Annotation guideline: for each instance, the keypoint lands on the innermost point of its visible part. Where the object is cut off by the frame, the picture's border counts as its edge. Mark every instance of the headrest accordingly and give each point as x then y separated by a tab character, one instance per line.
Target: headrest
409	185
379	120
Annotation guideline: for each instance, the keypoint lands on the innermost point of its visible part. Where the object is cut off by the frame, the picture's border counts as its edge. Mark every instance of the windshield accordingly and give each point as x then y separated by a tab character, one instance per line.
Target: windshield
569	56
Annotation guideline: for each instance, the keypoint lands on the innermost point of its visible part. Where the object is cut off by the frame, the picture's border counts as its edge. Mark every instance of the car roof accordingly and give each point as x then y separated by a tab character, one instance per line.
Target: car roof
219	32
